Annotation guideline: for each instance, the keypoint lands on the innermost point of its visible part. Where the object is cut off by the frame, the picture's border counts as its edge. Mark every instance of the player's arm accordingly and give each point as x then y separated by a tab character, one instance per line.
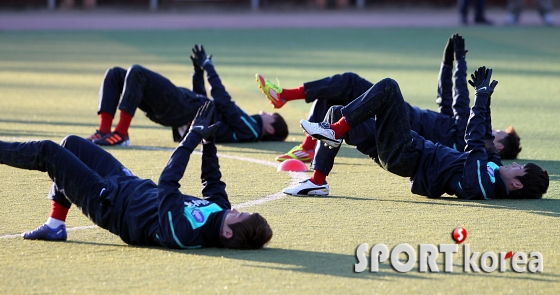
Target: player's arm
476	183
491	151
244	127
461	99
198	86
175	228
168	184
444	90
213	188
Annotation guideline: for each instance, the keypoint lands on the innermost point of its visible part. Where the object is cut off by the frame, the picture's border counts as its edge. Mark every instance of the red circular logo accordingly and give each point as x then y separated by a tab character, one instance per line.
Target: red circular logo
459	235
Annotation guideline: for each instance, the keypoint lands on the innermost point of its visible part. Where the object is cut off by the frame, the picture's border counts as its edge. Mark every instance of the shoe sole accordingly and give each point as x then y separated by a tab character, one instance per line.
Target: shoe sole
328	141
124	143
305	160
309	194
283	159
262	84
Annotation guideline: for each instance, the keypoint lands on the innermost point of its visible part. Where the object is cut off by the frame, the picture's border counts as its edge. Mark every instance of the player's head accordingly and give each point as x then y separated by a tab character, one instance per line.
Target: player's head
274	127
243	230
527	181
507	143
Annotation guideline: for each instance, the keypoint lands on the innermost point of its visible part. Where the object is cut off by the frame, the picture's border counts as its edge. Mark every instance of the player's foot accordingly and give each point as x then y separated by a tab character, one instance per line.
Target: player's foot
97	135
44	232
113	138
271	91
321	131
307	188
297	153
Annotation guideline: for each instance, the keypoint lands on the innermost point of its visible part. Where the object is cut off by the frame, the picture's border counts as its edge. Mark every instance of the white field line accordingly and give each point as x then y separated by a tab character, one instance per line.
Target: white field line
295	178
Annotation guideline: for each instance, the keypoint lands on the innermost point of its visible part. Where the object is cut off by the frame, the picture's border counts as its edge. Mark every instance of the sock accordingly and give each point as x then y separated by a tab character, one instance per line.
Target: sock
292	93
318	177
57	216
54	223
105	122
308	143
340	127
58	211
124	123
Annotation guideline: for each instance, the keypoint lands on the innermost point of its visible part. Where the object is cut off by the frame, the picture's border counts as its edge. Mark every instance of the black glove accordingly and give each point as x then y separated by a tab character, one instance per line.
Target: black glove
481	81
201	122
448	53
197	69
459	45
199	56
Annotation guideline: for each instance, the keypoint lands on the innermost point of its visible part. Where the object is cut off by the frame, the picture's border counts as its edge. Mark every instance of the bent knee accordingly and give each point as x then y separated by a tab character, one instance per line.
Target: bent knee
388	83
71	140
135	69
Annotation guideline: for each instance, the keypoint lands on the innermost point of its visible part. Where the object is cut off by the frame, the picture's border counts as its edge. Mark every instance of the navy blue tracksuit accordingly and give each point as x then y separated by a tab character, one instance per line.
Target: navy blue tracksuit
433	169
446	126
137	210
169	105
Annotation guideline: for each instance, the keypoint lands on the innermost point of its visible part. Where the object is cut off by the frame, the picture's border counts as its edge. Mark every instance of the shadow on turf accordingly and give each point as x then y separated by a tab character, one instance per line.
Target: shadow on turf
342	265
332	264
547	207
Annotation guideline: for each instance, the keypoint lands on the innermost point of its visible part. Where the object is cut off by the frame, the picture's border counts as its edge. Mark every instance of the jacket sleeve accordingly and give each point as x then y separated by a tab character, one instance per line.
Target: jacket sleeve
198	86
444	90
493	155
461	102
213	188
175	230
168	184
243	126
476	182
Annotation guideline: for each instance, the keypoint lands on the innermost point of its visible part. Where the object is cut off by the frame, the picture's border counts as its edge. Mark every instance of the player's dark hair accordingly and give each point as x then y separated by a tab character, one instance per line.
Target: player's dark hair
251	233
535	183
280	129
511	145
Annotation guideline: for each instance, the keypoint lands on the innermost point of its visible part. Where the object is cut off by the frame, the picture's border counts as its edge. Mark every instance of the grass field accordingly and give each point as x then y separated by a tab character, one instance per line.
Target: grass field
49	83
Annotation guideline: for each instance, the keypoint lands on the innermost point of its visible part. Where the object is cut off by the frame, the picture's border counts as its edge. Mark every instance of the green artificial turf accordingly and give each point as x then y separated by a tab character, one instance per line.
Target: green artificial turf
49	83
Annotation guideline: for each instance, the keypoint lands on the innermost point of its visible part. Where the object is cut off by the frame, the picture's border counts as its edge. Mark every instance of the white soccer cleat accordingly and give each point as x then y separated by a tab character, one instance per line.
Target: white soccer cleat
307	188
321	131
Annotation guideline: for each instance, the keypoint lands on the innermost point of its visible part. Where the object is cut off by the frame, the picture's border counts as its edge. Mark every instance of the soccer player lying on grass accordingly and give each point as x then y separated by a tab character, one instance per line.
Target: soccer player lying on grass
138	210
446	127
435	169
168	105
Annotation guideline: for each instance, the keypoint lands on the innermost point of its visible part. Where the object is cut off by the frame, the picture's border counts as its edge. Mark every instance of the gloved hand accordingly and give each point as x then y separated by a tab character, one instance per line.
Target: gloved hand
199	57
197	68
202	122
448	53
459	45
481	81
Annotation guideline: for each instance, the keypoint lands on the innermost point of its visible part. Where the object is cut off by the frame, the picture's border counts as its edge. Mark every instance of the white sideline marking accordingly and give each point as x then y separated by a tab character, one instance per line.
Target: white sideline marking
295	178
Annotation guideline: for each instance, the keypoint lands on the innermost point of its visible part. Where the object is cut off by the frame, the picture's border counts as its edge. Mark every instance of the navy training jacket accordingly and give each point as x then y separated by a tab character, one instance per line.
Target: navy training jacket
236	125
143	213
448	125
470	175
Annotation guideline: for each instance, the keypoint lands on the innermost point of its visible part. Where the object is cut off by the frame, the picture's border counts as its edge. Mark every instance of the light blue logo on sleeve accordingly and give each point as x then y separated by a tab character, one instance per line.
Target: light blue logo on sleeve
126	171
197	216
491	168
